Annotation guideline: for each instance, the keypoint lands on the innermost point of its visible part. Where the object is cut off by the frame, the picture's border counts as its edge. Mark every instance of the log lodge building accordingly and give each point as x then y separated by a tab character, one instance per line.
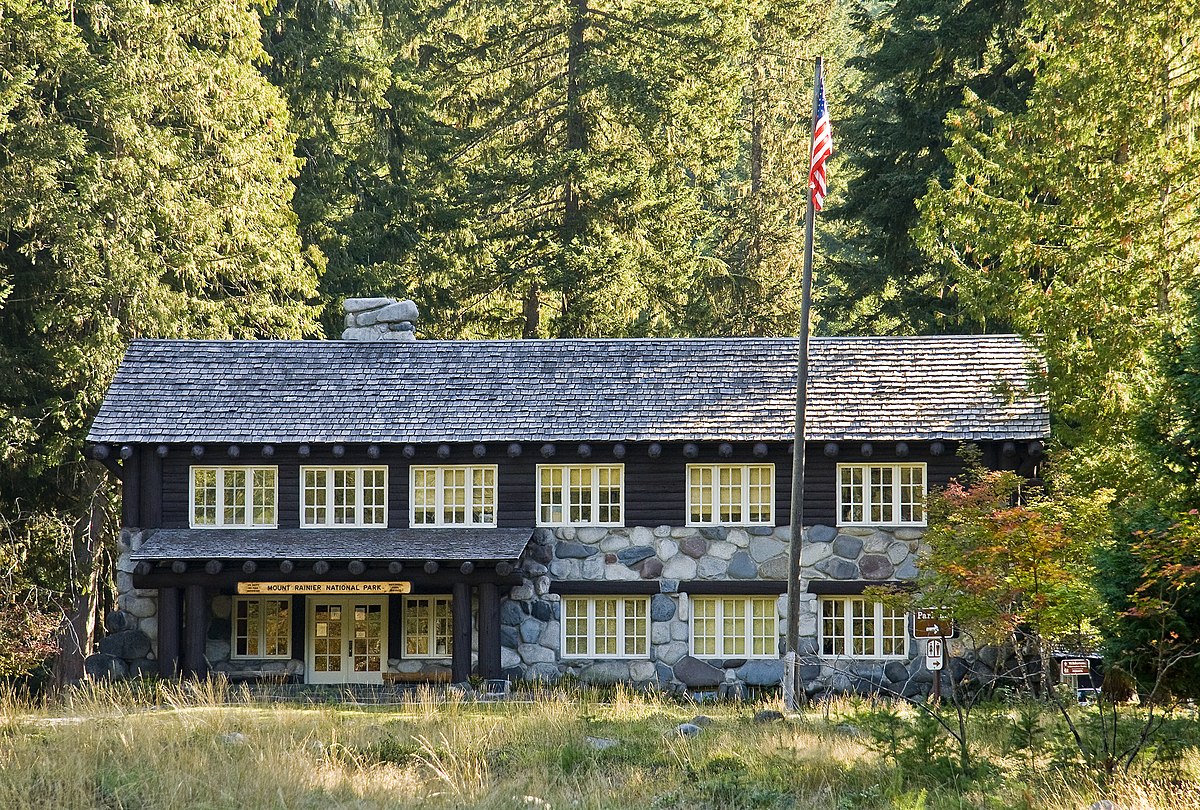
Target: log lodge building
384	509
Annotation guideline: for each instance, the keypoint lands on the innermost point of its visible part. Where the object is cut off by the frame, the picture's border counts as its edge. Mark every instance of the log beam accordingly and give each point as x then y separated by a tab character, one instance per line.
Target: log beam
195	599
489	630
168	633
460	659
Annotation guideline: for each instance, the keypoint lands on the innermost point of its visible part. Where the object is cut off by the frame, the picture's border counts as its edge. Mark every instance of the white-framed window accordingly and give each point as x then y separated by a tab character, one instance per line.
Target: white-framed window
581	494
881	494
343	496
460	495
735	627
854	627
605	627
262	627
428	626
731	494
233	497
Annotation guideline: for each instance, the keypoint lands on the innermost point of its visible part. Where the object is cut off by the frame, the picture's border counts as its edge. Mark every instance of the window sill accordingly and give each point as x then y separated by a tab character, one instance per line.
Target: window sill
881	525
239	527
770	525
450	526
337	526
581	525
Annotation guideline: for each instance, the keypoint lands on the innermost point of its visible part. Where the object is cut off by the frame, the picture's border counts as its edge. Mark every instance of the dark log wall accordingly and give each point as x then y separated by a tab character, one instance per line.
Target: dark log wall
655	488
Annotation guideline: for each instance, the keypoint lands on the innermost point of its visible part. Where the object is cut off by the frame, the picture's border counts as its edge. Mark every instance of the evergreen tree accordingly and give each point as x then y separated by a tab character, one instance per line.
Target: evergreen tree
751	284
918	58
588	135
1074	220
145	168
371	188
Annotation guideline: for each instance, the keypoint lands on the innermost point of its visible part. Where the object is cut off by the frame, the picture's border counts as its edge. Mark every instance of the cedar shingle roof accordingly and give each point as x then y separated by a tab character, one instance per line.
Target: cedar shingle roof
335	544
729	389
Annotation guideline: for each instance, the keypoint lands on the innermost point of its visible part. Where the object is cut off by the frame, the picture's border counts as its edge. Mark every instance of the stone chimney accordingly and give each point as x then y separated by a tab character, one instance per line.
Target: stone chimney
379	319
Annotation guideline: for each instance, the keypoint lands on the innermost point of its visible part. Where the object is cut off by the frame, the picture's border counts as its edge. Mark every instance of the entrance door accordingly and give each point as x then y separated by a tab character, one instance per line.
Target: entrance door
348	639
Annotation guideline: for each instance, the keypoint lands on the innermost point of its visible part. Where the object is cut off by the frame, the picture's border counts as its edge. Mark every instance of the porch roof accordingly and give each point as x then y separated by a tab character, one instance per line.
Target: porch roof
478	545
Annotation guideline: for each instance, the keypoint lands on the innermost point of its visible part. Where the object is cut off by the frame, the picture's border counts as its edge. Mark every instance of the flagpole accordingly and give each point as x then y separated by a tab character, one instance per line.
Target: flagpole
797	510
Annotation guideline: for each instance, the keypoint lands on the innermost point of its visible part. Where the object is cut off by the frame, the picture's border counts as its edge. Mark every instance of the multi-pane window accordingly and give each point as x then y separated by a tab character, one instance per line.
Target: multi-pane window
735	627
605	627
731	494
233	497
262	628
881	494
453	496
343	496
862	628
580	495
428	626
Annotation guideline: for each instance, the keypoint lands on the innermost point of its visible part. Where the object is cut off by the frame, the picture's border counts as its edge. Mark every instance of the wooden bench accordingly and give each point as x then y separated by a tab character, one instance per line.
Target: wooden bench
439	676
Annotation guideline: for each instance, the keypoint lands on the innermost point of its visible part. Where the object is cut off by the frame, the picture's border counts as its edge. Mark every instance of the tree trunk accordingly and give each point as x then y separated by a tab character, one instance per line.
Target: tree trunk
571	234
531	308
77	633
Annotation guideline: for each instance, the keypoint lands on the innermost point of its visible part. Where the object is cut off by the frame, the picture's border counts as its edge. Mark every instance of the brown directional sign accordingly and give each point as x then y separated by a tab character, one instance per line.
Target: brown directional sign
932	624
1075	666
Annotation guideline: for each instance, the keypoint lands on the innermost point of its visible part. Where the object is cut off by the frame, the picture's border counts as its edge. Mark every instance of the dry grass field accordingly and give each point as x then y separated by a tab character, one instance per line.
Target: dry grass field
175	747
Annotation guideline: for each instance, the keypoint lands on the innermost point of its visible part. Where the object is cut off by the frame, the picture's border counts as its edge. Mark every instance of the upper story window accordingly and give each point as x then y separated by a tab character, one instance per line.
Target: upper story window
881	494
605	627
581	494
731	494
453	496
234	497
343	496
735	627
860	628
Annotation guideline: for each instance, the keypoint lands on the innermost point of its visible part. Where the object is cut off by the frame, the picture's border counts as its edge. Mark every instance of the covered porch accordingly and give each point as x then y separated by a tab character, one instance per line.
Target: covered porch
369	606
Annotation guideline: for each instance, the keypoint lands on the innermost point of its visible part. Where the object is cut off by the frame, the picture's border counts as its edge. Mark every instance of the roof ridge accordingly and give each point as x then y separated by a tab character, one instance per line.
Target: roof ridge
1007	336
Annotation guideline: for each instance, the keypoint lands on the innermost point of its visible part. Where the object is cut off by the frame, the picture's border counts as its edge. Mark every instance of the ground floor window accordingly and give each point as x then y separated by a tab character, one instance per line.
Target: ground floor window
861	628
262	628
605	627
735	627
428	626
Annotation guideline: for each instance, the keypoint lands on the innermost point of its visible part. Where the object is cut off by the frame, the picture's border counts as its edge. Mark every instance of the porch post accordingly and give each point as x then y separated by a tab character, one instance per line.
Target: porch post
196	629
168	633
489	630
460	661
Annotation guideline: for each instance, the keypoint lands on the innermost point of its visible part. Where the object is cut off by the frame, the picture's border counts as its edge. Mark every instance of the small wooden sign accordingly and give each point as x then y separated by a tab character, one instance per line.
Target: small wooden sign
324	588
931	624
935	654
1075	666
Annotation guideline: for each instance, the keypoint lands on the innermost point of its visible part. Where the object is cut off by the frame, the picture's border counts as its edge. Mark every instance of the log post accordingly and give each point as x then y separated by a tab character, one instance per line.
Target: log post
460	660
168	633
489	630
195	631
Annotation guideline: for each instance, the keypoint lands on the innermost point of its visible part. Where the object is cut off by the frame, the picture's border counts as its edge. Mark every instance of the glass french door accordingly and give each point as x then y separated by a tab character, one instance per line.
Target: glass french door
347	639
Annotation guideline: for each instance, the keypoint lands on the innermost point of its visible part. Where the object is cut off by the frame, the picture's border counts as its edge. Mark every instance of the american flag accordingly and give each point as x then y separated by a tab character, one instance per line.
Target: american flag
822	147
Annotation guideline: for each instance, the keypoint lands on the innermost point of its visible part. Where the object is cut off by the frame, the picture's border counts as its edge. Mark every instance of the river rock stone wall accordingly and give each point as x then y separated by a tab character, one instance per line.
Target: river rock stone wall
674	557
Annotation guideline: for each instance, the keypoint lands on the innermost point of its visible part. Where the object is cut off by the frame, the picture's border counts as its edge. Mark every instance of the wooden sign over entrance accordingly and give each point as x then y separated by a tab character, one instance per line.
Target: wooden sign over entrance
324	588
